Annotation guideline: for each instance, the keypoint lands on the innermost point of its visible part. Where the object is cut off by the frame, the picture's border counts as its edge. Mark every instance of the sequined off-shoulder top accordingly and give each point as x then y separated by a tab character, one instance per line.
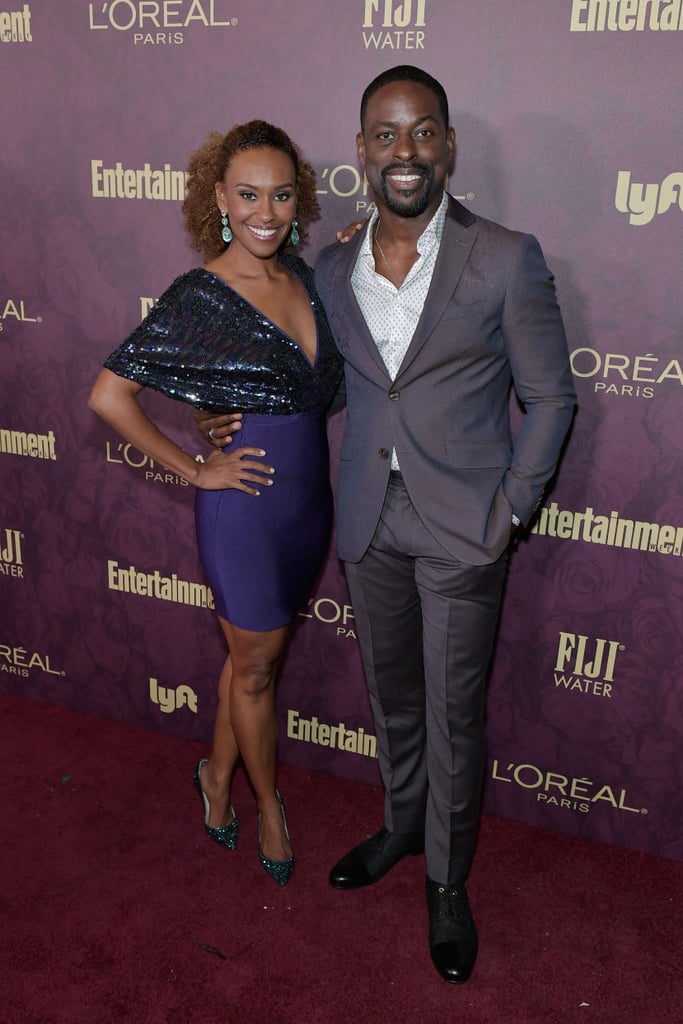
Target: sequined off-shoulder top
204	344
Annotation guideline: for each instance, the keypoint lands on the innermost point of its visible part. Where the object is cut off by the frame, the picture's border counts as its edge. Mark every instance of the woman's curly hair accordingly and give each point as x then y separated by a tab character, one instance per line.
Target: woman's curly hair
208	165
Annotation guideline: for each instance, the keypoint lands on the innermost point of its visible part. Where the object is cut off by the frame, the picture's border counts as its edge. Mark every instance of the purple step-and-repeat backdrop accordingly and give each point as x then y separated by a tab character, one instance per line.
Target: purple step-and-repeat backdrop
569	126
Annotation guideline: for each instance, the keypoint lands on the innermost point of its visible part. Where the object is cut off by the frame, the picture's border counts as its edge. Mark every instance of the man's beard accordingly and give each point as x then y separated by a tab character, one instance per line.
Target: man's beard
412	205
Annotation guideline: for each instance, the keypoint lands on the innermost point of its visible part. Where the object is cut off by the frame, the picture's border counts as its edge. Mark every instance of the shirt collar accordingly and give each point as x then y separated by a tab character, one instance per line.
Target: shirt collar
430	237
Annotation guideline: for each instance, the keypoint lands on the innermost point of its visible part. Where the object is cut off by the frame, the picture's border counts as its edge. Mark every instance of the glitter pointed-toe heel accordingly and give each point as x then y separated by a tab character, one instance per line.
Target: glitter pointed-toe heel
224	835
280	870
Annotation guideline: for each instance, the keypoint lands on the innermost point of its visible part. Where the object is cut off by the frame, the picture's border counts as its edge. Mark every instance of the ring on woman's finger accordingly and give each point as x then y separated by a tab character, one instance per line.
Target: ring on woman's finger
210	434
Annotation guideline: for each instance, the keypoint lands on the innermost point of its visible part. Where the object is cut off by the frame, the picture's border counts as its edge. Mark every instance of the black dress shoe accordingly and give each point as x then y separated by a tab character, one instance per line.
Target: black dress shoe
371	860
453	941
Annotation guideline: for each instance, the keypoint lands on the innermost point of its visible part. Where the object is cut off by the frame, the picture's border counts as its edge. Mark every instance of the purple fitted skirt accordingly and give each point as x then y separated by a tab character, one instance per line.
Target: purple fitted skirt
261	555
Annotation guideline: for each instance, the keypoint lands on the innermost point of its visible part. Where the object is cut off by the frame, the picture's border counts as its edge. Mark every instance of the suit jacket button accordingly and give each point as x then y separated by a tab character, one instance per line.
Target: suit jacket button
384	453
394	395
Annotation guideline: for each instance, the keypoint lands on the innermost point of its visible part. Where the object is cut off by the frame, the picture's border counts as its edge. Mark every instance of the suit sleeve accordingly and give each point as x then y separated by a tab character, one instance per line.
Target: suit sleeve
536	346
323	286
322	277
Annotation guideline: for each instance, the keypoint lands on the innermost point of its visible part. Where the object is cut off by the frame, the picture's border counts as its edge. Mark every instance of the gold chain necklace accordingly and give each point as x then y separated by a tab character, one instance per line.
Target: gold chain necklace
381	250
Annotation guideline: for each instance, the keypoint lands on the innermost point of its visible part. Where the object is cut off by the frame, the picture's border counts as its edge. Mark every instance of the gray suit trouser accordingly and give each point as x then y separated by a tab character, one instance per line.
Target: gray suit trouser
426	627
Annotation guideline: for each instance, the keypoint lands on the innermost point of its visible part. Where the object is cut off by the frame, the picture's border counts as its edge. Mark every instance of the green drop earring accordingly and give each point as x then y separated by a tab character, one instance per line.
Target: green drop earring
226	233
294	237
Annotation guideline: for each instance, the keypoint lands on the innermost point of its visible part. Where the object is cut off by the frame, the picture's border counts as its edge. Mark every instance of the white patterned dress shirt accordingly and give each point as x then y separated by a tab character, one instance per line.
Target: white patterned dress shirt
392	313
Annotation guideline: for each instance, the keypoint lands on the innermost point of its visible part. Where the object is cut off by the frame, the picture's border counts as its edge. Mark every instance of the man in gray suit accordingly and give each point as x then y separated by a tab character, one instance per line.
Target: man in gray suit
437	313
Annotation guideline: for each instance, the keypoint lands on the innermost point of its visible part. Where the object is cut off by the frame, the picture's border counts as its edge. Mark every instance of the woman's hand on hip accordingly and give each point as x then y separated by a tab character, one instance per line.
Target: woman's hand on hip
234	470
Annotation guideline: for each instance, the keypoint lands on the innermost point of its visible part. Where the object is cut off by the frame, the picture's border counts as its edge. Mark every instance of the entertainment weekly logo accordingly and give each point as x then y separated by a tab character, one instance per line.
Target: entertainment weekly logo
394	24
336	735
614	530
643	202
626	16
15	26
154	585
119	182
28	445
159	22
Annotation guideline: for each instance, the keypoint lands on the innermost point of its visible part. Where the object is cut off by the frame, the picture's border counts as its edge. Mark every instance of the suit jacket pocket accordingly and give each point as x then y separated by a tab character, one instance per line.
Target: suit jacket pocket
478	454
458	310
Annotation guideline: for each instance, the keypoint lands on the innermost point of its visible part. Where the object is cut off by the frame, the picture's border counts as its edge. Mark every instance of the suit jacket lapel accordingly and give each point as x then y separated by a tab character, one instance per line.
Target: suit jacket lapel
460	232
346	317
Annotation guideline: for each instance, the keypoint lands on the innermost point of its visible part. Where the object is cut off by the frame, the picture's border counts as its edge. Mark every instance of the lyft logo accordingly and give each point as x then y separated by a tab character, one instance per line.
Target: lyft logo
643	202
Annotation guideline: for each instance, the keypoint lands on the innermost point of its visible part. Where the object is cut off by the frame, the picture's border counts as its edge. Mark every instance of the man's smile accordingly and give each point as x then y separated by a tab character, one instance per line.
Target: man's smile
403	178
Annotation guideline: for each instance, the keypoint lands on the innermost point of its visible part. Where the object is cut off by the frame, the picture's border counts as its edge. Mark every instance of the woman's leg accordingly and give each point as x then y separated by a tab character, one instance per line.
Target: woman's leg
255	659
216	774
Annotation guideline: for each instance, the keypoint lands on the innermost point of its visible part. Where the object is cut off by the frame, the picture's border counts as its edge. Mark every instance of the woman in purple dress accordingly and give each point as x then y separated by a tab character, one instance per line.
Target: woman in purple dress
245	331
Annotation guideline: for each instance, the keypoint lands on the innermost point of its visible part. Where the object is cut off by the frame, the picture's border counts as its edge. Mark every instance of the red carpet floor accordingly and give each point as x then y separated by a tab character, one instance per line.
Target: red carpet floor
115	907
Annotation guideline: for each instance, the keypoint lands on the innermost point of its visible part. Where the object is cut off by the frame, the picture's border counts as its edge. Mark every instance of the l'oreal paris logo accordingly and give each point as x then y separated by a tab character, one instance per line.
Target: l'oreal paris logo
125	454
626	375
15	310
326	609
19	661
643	202
562	791
151	15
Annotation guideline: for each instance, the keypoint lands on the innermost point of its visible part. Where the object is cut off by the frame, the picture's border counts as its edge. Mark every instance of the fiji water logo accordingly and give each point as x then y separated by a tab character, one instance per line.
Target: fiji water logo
170	700
394	24
10	548
11	556
586	665
643	202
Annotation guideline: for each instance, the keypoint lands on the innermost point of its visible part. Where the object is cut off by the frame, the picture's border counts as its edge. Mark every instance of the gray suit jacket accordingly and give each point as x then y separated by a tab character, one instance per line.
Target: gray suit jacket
490	320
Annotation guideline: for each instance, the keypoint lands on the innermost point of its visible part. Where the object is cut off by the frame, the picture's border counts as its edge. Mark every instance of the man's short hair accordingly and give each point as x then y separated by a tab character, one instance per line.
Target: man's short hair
405	73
